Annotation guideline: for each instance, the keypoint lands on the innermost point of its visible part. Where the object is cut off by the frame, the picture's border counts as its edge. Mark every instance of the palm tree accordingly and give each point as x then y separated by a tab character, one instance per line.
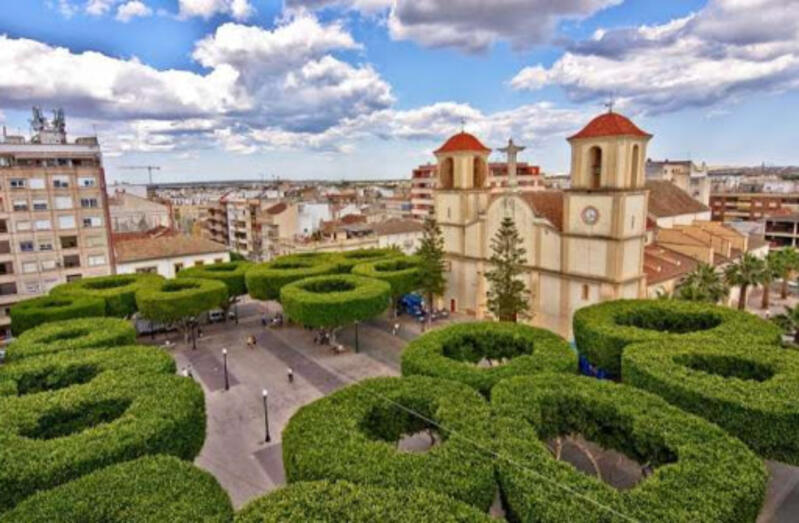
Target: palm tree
771	271
789	321
704	283
744	273
788	264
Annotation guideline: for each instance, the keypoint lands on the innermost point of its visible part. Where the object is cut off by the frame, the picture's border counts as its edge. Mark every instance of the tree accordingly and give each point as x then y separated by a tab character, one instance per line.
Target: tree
771	271
744	273
508	297
432	281
789	321
703	284
788	264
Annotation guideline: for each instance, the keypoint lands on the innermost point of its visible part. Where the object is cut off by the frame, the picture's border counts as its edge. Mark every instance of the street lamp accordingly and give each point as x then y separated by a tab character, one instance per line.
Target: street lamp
356	337
268	438
290	374
193	335
224	363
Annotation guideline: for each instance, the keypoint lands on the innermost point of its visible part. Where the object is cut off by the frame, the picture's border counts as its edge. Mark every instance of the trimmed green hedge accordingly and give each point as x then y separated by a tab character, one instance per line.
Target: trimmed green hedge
150	489
53	437
28	314
118	292
173	300
347	260
453	352
265	281
330	301
751	391
341	501
351	435
401	273
602	331
701	473
71	335
231	274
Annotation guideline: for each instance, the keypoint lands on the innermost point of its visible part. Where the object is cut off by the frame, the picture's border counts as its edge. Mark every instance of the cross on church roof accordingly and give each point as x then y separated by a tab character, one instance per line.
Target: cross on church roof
610	103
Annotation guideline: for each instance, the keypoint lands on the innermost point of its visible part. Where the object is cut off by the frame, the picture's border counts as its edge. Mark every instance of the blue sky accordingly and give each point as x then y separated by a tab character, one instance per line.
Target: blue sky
349	89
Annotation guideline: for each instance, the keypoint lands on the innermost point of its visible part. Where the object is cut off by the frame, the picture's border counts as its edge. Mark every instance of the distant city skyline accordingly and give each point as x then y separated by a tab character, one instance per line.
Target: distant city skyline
366	89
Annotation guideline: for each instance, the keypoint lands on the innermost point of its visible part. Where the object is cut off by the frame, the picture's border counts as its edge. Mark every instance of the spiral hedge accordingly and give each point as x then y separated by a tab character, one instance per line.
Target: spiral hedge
339	299
603	331
347	260
701	473
265	281
351	435
452	353
118	292
149	489
49	438
172	300
28	314
334	502
232	274
70	335
401	273
751	391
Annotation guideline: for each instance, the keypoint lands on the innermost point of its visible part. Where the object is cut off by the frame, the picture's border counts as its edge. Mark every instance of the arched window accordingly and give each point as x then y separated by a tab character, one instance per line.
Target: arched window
595	159
635	170
480	173
446	177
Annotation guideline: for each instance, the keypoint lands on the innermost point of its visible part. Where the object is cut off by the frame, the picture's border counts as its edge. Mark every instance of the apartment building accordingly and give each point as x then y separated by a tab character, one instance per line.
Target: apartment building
685	174
54	212
423	182
735	206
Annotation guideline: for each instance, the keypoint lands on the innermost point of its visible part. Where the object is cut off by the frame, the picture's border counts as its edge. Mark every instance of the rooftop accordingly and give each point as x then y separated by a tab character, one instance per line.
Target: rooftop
397	226
462	142
164	247
666	199
610	124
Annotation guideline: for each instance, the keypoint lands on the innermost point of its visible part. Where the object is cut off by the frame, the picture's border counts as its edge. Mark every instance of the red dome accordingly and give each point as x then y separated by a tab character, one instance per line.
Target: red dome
610	124
463	142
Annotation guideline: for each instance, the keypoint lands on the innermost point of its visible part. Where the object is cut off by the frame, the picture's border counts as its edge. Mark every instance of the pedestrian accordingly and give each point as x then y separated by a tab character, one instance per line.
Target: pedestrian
264	320
396	329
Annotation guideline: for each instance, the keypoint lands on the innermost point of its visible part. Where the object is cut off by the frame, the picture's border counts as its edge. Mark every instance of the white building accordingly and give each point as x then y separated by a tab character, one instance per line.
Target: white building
167	255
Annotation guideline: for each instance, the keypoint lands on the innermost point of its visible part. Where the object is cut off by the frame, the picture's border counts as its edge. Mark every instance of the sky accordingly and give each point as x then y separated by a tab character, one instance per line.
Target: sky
367	89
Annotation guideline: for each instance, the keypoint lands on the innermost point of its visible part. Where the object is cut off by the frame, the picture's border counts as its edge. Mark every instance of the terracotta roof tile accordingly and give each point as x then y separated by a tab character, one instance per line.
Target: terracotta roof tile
277	208
666	199
609	124
397	226
165	247
662	264
547	204
462	142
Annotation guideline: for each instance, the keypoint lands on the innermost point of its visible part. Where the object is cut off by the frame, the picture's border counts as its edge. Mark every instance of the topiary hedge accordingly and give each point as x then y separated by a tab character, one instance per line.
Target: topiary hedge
28	314
751	391
71	335
329	301
453	352
401	273
118	292
602	331
231	274
700	472
149	489
50	438
324	501
347	260
173	300
264	281
351	435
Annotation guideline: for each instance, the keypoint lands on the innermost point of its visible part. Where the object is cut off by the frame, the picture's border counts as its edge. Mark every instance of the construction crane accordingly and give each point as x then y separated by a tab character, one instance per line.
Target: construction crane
149	168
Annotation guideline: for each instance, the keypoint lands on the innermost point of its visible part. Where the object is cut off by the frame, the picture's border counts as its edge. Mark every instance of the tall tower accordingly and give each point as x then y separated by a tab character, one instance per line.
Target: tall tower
604	212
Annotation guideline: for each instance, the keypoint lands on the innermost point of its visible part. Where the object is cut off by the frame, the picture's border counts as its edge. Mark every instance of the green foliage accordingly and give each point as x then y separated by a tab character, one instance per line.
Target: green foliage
508	297
264	281
452	353
331	301
701	473
749	390
703	284
351	435
744	273
231	274
71	335
401	273
347	260
235	257
174	300
787	263
433	281
789	321
602	331
341	501
149	489
118	292
44	309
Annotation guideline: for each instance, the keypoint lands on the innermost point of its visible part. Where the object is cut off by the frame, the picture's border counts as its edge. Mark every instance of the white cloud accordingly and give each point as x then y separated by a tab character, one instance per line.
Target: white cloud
131	10
99	7
237	9
716	55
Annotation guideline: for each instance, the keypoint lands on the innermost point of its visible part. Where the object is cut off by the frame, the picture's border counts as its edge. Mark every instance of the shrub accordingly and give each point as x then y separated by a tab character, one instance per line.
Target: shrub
149	489
264	281
118	292
351	435
71	335
28	314
53	437
231	274
602	331
452	353
347	260
701	473
55	371
173	300
751	391
401	273
342	501
329	301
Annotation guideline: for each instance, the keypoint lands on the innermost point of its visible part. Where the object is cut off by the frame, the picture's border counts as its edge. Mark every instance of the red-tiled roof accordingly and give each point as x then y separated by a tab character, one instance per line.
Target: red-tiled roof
666	199
610	124
662	264
463	142
165	247
277	208
547	204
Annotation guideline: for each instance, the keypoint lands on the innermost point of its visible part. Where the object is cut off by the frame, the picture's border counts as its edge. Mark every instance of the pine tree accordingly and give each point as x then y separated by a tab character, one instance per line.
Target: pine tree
432	281
508	297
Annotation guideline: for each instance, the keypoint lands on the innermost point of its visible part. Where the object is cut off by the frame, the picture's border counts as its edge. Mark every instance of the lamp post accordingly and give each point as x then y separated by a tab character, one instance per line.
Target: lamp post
224	364
356	338
193	335
264	394
236	312
290	374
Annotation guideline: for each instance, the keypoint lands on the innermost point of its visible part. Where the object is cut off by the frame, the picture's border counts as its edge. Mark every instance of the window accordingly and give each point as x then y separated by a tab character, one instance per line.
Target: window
39	205
147	270
61	181
88	203
95	241
595	156
32	287
63	202
46	245
23	226
86	181
6	268
3	227
199	263
36	183
92	221
26	246
96	260
178	267
20	205
29	267
48	265
69	242
586	292
71	261
17	183
43	225
73	277
66	222
5	247
8	288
